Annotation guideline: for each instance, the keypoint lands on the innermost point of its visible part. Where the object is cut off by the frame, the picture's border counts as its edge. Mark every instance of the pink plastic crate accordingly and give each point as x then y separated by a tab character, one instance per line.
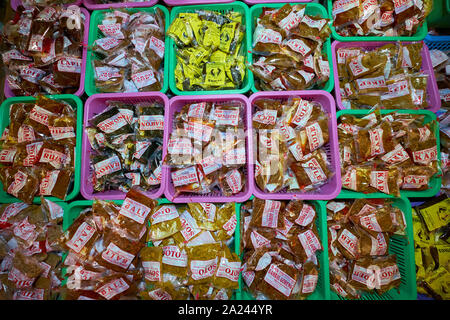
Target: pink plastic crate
274	1
175	105
93	5
332	188
94	105
16	3
80	91
433	97
189	2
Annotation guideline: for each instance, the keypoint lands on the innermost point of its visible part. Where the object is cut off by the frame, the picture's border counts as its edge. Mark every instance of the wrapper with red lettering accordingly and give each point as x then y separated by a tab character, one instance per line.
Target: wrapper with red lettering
287	49
207	149
38	150
359	247
130	55
394	152
43	50
30	254
281	244
379	17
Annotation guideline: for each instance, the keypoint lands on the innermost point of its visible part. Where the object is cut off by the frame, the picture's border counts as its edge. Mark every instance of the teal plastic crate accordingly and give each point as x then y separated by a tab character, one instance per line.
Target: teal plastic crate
312	8
435	182
322	291
95	33
418	36
75	208
236	6
403	248
76	103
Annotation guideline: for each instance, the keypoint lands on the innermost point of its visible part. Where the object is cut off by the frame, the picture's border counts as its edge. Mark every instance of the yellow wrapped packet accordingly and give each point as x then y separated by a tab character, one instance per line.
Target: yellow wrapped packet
164	222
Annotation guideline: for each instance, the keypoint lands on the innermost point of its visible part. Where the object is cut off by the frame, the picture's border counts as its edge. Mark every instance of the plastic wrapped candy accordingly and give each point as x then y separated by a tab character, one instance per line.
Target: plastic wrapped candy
30	256
37	154
389	77
290	139
280	249
359	246
191	257
43	54
127	143
207	148
287	48
394	152
209	50
379	17
130	55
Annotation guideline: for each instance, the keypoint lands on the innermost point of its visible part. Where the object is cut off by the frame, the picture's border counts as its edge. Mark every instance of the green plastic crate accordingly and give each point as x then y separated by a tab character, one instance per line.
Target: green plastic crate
438	16
418	36
236	6
95	33
322	291
312	8
76	103
435	182
403	248
75	208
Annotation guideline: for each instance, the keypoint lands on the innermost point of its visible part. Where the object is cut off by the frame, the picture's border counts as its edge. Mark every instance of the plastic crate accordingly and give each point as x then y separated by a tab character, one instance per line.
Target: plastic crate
76	103
236	6
433	97
438	42
95	33
315	9
435	182
419	35
93	5
80	91
75	208
16	3
322	291
191	2
403	248
94	105
332	188
438	16
175	105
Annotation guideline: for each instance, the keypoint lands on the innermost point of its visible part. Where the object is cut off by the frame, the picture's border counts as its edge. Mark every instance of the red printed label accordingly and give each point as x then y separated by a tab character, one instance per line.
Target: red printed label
20	180
425	156
151	122
376	142
165	213
201	269
143	79
112	124
315	136
134	210
234	181
299	46
107	166
114	255
40	115
184	177
303	113
349	241
69	64
172	255
306	216
229	270
113	288
379	180
309	242
280	280
314	171
397	155
270	213
266	116
83	234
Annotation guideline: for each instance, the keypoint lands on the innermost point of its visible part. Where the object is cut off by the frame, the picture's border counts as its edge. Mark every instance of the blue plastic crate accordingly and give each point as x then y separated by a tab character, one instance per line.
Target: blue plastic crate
438	42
